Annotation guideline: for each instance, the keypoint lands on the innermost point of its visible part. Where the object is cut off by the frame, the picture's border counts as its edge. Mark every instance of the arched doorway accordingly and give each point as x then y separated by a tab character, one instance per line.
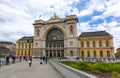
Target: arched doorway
55	43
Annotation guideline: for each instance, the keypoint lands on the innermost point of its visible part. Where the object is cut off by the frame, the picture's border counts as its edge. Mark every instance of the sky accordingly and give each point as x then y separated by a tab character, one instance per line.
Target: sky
17	16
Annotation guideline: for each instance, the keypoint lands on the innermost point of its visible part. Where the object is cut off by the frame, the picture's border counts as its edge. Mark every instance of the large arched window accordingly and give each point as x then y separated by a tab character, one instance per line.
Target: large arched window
108	53
101	53
55	38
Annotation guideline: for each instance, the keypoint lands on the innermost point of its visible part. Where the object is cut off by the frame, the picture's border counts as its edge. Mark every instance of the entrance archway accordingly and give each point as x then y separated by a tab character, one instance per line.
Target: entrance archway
55	43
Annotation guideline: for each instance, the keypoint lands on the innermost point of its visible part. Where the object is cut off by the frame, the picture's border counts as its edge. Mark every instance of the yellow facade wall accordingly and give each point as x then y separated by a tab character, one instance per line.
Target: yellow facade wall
24	48
97	48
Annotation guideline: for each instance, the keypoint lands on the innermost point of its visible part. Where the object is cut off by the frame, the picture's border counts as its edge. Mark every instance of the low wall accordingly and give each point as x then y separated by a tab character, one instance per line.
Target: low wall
69	72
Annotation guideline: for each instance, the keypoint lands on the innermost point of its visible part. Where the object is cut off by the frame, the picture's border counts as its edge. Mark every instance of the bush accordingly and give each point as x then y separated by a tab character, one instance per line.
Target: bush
94	67
115	75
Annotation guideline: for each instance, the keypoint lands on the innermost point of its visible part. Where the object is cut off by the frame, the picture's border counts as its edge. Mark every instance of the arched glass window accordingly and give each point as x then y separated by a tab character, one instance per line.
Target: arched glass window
82	44
71	53
108	54
94	53
88	44
88	53
38	32
107	43
94	44
100	44
55	38
82	53
101	53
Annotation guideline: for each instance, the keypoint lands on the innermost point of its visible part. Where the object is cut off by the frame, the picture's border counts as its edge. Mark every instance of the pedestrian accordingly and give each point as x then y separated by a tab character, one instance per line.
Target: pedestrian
13	58
30	61
41	60
46	60
20	58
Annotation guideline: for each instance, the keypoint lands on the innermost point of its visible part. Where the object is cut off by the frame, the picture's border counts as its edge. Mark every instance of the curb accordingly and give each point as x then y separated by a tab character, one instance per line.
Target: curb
74	71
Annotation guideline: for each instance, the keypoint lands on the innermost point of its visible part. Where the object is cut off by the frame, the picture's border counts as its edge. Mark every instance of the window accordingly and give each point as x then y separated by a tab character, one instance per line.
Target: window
82	53
71	53
36	44
82	44
107	43
88	44
108	54
101	53
100	44
71	43
88	53
94	44
55	38
94	53
38	32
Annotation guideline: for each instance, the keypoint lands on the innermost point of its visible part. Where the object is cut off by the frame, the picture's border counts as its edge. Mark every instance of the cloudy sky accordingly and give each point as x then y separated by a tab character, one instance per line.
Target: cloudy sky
17	16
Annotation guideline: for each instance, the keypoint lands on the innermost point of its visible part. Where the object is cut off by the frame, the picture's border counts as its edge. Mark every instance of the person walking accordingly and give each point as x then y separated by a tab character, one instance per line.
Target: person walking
46	59
30	61
41	60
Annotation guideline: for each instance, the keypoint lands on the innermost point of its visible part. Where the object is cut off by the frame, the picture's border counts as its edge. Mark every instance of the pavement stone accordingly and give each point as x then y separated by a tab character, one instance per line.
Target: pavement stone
22	70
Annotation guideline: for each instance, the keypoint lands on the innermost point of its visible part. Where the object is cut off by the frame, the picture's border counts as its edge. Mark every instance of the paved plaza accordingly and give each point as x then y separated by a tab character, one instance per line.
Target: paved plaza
22	70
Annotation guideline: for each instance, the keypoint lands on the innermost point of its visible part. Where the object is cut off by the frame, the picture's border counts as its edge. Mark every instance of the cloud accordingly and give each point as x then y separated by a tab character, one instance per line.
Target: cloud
17	17
84	26
93	5
112	8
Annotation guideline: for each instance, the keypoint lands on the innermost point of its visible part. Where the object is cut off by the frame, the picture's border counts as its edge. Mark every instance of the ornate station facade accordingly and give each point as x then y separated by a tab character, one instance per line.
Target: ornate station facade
56	37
